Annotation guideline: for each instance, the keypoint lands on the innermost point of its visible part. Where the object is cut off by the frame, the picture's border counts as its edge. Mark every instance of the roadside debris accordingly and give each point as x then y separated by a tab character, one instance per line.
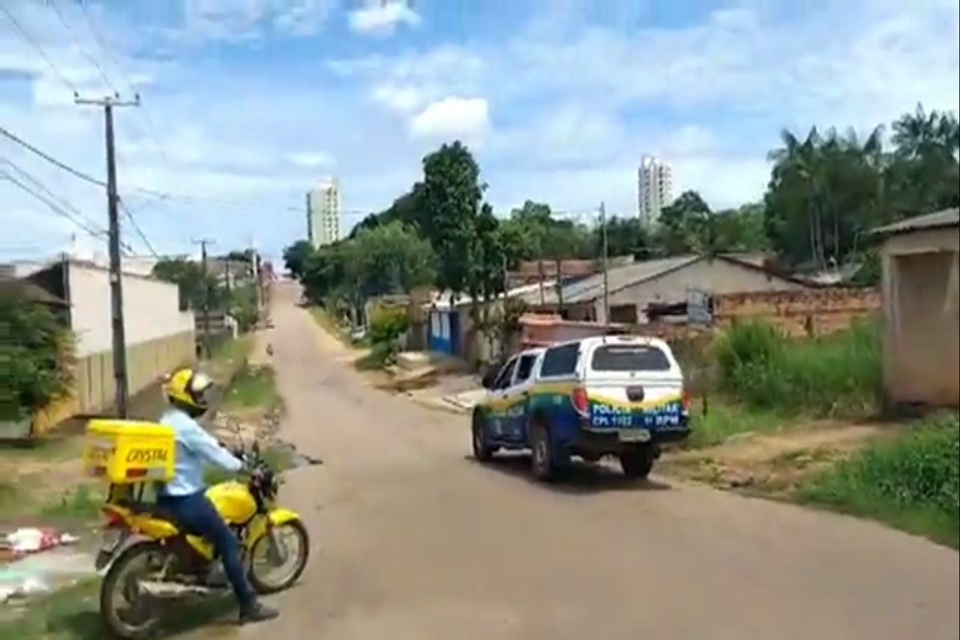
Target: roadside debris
38	560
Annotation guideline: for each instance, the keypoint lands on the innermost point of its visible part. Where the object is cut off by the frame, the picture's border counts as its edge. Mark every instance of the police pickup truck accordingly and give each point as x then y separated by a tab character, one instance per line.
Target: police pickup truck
614	395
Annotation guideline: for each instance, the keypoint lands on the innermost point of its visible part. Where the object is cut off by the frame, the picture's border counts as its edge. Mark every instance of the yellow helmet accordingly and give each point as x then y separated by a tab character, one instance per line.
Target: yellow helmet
189	389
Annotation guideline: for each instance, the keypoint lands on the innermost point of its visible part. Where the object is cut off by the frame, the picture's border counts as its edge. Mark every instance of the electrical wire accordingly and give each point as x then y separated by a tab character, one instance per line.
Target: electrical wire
36	45
137	229
55	207
42	187
86	54
46	156
110	53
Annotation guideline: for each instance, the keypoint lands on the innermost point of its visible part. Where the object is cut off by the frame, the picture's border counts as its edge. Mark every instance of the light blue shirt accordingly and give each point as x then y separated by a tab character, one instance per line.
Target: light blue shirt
195	447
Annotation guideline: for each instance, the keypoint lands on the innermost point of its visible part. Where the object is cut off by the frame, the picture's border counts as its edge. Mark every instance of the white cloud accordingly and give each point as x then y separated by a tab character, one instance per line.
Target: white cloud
312	159
383	16
452	117
579	97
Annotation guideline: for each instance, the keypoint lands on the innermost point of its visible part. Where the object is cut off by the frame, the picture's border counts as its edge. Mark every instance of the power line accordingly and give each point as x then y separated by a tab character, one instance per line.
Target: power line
108	51
86	54
29	38
58	163
39	185
137	229
55	207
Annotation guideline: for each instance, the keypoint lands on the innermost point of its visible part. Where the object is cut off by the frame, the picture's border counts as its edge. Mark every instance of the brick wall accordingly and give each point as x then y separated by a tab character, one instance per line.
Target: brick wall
803	312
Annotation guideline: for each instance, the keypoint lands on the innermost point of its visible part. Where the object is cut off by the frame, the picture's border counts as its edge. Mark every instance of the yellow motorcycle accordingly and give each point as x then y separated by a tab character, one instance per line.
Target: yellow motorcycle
149	560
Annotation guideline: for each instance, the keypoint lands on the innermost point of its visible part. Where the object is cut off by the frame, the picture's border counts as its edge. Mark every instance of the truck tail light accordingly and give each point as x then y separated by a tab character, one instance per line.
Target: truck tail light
580	401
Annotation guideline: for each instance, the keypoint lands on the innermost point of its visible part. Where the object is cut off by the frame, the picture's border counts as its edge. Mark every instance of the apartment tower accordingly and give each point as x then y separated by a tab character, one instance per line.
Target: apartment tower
323	213
654	189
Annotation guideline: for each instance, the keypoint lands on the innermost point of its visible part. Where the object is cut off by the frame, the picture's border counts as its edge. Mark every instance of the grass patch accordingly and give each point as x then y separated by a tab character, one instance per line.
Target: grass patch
81	503
73	614
252	387
837	374
911	482
724	419
326	322
379	357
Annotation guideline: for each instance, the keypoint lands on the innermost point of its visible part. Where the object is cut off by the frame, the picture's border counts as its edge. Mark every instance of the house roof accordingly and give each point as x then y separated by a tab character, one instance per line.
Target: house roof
442	301
32	292
590	289
937	220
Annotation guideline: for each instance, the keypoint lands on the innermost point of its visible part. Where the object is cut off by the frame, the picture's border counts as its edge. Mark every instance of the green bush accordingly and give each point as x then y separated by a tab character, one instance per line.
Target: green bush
387	324
382	354
35	356
841	373
912	481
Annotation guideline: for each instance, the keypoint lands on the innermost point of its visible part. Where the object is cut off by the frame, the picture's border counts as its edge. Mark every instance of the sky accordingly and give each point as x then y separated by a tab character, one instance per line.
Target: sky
247	104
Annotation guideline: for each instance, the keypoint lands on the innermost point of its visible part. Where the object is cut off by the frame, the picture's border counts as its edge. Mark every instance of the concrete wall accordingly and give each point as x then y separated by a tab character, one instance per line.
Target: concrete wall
151	309
159	338
716	277
921	363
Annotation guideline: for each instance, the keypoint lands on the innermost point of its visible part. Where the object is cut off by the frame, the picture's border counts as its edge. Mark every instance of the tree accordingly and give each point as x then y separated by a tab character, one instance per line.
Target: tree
295	257
685	225
193	285
35	356
389	259
452	195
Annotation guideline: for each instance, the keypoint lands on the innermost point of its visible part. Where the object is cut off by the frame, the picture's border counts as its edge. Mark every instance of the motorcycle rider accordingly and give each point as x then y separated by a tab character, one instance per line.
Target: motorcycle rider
187	391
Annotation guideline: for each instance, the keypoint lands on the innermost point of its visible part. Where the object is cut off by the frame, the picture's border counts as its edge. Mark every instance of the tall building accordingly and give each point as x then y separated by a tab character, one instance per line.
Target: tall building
323	213
654	189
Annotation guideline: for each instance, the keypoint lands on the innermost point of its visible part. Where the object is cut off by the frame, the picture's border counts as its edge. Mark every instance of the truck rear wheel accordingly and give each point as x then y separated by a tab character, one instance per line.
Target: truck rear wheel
542	461
637	463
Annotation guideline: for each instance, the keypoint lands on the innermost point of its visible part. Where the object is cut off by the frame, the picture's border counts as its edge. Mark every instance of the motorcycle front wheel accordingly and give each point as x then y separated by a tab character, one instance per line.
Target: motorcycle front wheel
143	614
287	544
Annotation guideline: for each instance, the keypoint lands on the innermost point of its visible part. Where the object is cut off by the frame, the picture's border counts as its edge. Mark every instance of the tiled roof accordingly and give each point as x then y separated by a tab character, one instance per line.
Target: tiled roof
591	288
936	220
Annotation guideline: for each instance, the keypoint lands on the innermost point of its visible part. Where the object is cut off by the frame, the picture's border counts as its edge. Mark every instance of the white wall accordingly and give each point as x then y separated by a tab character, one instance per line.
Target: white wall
151	309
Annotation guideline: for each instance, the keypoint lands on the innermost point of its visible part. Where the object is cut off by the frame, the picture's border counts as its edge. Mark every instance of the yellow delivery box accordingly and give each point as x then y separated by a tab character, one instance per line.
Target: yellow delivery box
129	451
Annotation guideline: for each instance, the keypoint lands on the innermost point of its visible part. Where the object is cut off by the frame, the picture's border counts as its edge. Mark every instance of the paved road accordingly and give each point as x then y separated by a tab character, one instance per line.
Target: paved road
416	542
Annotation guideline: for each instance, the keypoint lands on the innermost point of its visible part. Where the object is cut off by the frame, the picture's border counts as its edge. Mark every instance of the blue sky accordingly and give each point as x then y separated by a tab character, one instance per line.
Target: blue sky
248	103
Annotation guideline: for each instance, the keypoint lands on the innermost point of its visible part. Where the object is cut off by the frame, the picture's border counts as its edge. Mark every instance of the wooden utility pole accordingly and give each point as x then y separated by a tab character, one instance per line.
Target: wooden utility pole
121	382
207	292
604	257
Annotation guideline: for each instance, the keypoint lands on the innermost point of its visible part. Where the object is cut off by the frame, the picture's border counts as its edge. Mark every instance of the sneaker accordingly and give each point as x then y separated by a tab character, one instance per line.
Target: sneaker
257	613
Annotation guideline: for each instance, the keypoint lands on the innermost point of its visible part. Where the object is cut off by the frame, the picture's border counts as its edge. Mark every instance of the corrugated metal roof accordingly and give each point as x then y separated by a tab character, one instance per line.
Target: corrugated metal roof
936	220
591	288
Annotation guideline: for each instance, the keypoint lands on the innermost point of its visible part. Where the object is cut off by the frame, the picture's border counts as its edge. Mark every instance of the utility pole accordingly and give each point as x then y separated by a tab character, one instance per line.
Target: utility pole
207	291
255	271
605	248
121	382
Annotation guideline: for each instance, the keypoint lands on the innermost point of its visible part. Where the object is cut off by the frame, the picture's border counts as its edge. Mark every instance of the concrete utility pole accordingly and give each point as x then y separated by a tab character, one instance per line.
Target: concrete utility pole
605	249
255	271
207	292
122	389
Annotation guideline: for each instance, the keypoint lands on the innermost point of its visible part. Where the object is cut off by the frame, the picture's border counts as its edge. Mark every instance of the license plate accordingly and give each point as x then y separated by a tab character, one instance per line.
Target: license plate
634	435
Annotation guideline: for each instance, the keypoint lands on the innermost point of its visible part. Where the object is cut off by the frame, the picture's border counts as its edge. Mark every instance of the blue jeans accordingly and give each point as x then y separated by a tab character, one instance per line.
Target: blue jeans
197	516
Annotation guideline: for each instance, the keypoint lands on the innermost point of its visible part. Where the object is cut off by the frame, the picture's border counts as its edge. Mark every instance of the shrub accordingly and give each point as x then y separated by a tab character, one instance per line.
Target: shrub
837	373
388	324
912	480
35	356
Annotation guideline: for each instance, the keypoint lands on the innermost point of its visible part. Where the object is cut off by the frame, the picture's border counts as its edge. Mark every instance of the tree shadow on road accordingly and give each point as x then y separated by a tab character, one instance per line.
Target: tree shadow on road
579	478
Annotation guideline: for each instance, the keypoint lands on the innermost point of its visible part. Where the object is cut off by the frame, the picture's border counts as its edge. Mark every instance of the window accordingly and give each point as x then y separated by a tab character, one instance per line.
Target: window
503	378
524	368
560	361
629	357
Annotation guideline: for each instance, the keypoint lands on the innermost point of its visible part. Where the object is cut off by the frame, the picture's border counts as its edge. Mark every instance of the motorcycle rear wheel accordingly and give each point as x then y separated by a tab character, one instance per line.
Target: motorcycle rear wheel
117	582
262	584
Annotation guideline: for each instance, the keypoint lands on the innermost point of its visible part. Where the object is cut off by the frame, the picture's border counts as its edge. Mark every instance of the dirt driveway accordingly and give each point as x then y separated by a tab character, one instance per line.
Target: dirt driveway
414	541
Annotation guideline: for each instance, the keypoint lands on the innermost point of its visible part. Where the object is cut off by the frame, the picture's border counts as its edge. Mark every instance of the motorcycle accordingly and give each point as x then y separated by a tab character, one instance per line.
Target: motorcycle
150	561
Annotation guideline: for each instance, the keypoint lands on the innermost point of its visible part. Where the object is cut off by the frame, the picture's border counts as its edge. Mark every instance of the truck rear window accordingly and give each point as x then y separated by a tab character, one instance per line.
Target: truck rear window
629	357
